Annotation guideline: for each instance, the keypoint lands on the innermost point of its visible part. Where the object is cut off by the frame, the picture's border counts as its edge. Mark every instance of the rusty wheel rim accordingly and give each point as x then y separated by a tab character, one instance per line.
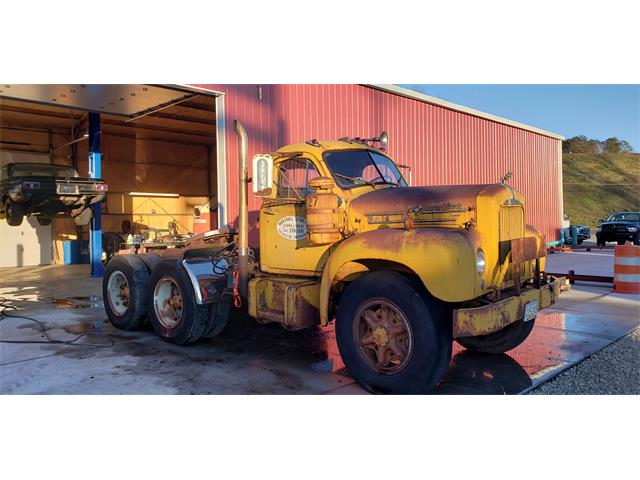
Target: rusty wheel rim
167	302
383	336
118	293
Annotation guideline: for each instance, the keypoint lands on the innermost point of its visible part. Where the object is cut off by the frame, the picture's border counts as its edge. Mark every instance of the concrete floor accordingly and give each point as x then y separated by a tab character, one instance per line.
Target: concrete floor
249	358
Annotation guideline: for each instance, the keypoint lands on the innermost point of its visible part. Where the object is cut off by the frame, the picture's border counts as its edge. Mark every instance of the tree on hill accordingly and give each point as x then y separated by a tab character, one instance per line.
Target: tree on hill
582	144
615	145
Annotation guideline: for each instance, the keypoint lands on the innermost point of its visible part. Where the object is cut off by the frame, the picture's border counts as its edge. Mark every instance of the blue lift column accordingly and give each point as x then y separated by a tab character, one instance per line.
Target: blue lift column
95	171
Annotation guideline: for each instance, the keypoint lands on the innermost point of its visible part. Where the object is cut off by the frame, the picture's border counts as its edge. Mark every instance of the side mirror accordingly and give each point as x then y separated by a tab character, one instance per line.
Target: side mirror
262	175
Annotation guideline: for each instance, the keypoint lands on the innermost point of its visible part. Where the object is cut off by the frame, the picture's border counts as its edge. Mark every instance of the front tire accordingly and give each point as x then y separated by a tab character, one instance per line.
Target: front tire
501	341
600	243
14	213
389	335
173	311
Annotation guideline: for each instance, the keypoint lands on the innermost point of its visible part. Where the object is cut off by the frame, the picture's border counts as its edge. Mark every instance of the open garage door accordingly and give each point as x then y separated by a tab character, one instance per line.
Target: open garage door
159	145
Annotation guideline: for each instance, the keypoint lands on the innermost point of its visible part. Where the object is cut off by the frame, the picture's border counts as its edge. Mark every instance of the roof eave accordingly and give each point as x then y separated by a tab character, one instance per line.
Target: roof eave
405	92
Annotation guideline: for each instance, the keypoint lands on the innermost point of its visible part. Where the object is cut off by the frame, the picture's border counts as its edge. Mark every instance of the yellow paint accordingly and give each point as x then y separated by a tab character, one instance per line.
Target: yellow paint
439	247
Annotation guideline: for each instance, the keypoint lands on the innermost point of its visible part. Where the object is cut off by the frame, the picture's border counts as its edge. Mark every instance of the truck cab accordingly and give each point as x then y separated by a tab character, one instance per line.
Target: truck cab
403	271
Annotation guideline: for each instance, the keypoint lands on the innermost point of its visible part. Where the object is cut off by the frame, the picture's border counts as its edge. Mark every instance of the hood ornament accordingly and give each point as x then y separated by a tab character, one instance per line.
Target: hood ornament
506	177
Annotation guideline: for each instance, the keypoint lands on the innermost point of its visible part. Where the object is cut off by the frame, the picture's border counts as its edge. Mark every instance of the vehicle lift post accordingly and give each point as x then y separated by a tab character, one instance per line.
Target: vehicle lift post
95	171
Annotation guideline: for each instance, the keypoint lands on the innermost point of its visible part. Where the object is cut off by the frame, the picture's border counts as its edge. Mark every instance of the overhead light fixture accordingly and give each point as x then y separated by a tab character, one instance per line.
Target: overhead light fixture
149	194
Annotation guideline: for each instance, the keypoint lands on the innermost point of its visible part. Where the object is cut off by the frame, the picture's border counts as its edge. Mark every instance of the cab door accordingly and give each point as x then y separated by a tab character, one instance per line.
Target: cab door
284	243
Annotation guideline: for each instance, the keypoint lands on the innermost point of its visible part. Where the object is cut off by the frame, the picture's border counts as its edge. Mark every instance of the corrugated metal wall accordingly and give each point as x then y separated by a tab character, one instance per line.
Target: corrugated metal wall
443	146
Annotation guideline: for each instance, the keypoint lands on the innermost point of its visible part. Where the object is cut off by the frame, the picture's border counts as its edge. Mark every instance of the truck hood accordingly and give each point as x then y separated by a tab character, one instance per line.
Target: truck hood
620	224
451	204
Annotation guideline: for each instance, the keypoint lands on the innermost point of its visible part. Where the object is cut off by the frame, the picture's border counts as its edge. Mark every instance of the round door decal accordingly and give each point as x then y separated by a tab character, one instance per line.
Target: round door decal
292	228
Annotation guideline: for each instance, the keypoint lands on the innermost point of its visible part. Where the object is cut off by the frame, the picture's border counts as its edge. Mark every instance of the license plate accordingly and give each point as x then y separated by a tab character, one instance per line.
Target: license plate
72	189
530	311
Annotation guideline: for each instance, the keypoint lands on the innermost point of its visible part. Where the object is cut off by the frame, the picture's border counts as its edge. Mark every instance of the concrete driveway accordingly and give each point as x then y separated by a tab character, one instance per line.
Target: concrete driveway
249	358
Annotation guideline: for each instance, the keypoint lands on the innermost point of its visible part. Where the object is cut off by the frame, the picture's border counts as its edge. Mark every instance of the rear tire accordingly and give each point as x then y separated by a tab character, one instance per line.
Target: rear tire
173	311
501	341
151	260
124	289
43	221
14	213
399	348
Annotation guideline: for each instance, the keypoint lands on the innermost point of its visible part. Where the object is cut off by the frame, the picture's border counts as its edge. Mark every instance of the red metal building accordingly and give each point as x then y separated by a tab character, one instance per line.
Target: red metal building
444	143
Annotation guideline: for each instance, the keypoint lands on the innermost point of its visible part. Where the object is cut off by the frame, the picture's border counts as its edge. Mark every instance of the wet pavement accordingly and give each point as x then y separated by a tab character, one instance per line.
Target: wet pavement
249	358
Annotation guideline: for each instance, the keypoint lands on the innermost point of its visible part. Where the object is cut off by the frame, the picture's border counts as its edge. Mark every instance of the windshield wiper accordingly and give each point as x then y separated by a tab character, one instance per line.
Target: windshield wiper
355	180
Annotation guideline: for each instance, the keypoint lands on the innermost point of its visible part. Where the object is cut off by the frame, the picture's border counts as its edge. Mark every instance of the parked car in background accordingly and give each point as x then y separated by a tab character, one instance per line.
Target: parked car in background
619	227
583	233
44	190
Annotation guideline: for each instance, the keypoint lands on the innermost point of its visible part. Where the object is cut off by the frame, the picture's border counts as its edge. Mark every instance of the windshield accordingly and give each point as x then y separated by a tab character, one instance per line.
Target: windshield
42	170
354	168
624	217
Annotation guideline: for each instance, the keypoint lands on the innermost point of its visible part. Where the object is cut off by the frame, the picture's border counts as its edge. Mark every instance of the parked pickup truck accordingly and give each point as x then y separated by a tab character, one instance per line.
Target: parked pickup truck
44	190
619	227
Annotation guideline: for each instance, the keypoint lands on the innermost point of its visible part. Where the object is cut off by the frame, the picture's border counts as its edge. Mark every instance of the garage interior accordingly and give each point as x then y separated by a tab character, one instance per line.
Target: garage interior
158	157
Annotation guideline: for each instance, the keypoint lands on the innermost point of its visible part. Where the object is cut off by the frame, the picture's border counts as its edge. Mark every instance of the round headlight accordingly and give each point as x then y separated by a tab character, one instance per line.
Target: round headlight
481	263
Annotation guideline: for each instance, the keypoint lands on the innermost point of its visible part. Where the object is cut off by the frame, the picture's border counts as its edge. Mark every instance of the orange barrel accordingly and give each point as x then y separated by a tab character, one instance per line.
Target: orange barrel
626	269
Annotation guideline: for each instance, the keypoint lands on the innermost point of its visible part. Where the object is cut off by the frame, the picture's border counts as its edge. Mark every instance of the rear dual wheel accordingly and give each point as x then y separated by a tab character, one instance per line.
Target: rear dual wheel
392	337
173	311
133	297
124	291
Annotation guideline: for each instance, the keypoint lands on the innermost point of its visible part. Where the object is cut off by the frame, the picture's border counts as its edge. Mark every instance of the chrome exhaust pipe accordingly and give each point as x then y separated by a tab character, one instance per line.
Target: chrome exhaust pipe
243	214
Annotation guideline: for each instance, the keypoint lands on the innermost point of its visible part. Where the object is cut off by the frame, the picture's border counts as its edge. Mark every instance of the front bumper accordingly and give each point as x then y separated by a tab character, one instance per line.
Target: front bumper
616	236
471	322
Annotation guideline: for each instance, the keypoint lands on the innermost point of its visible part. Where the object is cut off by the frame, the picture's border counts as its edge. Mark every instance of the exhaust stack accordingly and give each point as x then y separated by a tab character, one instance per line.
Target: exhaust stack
243	217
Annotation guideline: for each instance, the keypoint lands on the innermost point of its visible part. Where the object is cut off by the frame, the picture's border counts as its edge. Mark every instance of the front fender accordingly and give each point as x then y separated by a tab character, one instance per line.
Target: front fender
443	259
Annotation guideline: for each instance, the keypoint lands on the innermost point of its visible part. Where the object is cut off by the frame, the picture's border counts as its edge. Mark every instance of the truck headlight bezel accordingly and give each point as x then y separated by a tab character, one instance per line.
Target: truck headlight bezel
481	262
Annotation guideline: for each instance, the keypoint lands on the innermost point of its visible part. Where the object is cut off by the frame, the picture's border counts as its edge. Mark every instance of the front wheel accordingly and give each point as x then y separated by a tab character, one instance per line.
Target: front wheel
600	243
390	336
501	341
14	213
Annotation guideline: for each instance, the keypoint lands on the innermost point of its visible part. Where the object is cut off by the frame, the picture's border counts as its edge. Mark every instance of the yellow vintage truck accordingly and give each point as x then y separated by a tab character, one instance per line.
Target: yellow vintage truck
403	271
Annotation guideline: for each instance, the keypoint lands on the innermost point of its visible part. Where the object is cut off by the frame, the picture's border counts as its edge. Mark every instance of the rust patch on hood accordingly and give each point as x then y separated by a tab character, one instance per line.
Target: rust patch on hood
448	204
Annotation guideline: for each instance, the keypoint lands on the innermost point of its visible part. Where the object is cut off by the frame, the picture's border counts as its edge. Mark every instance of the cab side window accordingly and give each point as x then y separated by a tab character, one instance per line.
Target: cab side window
293	178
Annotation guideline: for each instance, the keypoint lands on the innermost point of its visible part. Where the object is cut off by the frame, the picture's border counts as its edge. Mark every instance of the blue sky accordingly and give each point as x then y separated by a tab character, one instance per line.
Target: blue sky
597	111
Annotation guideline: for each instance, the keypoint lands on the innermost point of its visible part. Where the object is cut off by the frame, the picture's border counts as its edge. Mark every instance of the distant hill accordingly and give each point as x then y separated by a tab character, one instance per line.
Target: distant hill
596	185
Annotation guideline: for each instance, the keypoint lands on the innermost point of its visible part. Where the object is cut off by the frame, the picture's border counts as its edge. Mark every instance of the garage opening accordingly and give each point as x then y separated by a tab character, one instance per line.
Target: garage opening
159	147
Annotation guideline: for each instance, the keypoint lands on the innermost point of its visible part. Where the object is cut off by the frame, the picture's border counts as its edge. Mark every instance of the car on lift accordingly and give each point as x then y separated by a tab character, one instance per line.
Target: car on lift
619	227
45	190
